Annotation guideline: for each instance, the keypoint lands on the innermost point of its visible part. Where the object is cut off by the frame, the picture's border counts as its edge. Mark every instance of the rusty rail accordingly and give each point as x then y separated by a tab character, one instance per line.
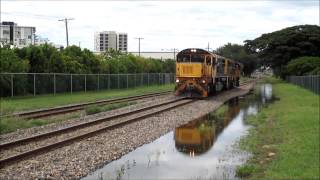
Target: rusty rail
76	107
49	147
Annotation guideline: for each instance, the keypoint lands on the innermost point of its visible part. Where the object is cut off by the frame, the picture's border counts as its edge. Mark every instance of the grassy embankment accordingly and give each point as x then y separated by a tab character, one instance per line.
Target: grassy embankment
10	105
285	137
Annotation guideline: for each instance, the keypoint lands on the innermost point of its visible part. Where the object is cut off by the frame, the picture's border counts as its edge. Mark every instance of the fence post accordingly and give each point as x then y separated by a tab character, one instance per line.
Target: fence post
127	81
85	83
109	81
71	83
148	78
141	83
11	85
118	81
34	84
54	83
98	82
159	80
135	79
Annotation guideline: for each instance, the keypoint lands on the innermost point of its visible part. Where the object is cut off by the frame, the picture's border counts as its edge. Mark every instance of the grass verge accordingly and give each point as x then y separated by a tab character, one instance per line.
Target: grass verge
285	138
15	104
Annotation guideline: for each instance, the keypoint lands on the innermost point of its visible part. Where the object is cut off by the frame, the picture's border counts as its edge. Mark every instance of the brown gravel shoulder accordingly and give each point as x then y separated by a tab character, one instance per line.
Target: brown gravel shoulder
81	158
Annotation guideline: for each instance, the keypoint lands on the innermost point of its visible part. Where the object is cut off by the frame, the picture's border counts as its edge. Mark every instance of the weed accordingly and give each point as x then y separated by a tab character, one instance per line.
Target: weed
93	110
245	171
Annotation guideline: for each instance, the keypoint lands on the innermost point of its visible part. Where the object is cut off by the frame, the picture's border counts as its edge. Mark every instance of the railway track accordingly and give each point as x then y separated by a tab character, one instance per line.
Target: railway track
32	146
76	107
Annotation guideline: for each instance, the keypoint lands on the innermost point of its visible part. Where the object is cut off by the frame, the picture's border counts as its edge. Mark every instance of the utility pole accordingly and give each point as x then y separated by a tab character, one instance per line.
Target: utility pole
208	47
66	22
174	53
79	44
139	38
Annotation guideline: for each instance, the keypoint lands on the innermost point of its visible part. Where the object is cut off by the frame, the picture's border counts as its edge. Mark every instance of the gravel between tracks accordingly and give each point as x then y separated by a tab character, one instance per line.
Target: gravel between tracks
80	158
22	133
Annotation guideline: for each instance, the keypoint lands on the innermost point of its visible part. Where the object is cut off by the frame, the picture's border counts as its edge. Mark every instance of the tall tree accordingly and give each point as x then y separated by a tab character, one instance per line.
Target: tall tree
276	49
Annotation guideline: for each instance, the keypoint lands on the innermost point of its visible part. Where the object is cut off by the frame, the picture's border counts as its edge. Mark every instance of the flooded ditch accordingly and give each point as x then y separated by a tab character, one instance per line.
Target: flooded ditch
201	149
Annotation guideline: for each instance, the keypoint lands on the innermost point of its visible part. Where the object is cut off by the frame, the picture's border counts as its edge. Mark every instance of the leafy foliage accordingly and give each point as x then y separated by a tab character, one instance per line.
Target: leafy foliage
276	49
47	59
304	66
10	62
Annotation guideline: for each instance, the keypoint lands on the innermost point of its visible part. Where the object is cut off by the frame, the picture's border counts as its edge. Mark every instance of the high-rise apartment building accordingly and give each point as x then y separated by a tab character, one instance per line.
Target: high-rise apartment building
123	42
110	40
18	36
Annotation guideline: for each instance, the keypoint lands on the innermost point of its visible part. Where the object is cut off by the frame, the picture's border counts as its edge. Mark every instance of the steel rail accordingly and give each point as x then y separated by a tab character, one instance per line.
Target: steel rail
81	125
78	126
37	151
77	107
46	148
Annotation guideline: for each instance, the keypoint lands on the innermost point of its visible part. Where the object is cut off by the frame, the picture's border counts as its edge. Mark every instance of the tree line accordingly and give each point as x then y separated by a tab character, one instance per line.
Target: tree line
47	59
290	51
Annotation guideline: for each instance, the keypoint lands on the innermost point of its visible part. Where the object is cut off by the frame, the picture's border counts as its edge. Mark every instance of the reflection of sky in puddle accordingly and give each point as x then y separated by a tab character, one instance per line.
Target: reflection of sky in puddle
162	159
266	92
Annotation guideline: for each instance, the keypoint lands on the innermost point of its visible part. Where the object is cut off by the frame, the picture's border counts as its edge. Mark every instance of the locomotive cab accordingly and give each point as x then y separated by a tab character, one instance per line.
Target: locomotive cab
194	68
200	73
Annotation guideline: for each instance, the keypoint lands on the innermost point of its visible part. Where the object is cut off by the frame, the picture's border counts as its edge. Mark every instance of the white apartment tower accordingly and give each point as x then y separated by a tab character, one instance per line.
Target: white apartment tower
110	40
18	36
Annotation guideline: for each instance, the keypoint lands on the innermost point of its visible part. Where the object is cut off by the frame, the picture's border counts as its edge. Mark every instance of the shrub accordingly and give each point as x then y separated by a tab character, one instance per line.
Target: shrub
305	65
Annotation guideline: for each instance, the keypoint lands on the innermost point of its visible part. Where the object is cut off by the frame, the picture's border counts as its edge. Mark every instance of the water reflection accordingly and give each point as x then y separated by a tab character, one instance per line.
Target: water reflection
266	92
201	149
198	136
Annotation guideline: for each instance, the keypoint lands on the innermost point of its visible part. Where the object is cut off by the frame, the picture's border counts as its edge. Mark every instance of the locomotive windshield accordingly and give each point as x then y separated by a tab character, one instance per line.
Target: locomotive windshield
183	58
199	58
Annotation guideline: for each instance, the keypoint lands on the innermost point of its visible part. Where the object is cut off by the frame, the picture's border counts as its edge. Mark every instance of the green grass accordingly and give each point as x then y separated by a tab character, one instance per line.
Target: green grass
11	124
289	128
15	104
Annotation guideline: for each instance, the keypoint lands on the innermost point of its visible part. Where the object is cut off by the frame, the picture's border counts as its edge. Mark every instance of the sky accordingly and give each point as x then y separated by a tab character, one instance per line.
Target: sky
164	25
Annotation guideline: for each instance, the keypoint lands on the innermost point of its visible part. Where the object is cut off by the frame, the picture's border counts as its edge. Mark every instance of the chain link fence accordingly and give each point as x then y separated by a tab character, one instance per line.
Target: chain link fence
309	82
23	84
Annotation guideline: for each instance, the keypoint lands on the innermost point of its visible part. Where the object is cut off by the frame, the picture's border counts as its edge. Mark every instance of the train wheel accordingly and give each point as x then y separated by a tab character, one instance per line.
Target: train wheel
208	89
225	86
237	83
213	89
231	86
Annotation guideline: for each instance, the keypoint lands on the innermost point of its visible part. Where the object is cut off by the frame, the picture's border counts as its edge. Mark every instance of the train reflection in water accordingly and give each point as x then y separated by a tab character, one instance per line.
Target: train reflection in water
199	135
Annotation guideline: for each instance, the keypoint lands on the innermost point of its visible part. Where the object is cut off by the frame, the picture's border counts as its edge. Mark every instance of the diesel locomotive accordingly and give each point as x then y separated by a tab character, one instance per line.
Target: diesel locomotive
200	73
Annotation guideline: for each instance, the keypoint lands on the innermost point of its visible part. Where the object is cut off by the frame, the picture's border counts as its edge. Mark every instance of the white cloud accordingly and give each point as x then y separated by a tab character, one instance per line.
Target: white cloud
163	24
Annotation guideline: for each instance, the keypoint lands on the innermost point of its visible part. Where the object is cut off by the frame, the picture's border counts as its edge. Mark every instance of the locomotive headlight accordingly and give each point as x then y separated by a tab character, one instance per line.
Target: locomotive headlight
203	81
177	80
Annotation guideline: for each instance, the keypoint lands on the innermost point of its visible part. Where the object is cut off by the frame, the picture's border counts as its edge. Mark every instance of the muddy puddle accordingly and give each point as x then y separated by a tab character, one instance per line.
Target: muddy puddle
204	148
